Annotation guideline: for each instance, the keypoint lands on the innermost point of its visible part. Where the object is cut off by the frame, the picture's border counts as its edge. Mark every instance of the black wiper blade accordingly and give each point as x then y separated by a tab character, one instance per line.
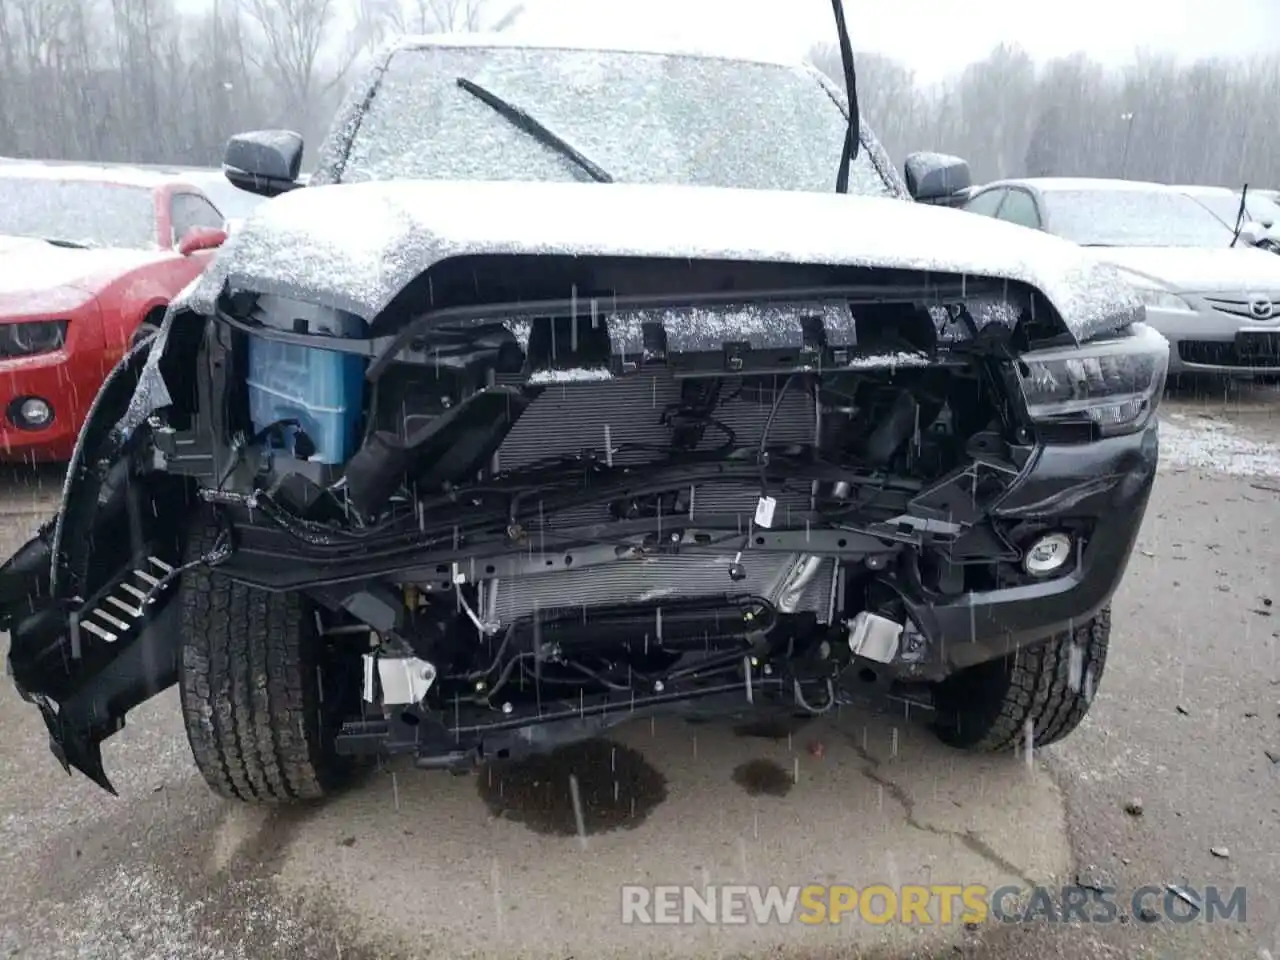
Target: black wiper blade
1244	196
852	136
536	129
69	244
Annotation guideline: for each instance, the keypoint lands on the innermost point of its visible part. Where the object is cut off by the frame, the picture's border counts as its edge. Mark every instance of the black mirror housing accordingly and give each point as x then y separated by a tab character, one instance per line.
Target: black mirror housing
937	178
264	162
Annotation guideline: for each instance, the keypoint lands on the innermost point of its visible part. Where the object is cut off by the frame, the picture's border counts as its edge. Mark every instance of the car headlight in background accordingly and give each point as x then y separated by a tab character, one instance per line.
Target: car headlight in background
1115	383
32	338
1163	299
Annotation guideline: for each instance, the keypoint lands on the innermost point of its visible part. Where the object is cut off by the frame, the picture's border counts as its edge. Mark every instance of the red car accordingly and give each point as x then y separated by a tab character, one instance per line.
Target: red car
89	259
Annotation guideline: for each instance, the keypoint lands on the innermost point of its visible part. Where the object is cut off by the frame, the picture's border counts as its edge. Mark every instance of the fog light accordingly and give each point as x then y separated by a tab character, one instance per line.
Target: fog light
31	413
1047	555
36	412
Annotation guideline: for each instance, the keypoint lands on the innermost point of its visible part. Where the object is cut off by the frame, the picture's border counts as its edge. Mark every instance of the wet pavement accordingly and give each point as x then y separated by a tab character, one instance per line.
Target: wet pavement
505	864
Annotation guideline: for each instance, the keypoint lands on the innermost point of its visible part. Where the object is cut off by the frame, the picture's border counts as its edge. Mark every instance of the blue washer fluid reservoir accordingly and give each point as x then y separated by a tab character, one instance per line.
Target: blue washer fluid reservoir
322	390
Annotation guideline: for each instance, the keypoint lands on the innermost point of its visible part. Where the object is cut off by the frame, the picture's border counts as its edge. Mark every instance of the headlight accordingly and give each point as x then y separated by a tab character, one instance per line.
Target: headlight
1114	383
32	338
1163	299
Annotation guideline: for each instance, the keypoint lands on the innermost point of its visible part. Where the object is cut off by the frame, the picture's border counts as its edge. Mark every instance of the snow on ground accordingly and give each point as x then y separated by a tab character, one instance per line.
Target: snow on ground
1189	441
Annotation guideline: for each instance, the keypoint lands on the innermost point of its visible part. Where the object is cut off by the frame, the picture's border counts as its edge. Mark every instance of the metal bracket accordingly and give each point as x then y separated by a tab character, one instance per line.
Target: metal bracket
874	637
404	680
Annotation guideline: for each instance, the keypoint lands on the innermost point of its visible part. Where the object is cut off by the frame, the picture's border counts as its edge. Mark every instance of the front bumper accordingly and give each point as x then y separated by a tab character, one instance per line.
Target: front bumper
1204	341
1108	481
1101	487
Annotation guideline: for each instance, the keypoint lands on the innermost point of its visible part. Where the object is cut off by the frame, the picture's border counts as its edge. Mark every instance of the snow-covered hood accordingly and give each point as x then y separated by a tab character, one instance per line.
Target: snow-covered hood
29	266
355	246
1198	270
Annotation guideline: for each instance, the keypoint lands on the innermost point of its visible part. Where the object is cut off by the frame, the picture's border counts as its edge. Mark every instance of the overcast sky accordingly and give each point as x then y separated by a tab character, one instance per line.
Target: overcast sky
938	37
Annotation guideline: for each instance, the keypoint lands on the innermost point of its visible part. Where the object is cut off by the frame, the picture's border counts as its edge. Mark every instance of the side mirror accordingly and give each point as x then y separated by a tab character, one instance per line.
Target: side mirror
201	238
937	178
264	162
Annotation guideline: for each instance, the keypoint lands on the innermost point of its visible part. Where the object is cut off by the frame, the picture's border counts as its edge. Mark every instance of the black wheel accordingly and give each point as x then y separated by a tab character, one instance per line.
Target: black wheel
249	678
1049	685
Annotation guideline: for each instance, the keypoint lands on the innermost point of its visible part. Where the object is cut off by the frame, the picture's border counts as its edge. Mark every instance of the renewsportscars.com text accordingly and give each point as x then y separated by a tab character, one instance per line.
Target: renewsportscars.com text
925	904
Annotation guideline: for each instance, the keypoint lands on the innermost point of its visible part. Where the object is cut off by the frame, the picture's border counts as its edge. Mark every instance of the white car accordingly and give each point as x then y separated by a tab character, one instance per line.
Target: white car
1218	305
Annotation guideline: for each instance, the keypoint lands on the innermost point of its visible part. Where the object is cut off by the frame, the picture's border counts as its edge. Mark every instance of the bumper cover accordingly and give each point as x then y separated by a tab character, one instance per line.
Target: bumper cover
1108	481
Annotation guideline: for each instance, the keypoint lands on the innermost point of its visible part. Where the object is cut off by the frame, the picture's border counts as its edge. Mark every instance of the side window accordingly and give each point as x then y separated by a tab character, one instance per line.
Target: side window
188	210
1020	208
986	203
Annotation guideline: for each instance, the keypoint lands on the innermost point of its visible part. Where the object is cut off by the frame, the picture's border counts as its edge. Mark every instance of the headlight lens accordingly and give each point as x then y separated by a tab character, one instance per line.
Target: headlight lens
1114	383
32	338
1163	299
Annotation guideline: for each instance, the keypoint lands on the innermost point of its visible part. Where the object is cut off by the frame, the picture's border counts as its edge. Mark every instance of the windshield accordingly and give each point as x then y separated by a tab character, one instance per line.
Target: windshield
82	212
1226	206
1133	218
645	118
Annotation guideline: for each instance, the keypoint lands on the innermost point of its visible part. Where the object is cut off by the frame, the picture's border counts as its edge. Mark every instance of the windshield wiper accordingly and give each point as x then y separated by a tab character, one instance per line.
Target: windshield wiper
69	244
1244	195
535	128
853	135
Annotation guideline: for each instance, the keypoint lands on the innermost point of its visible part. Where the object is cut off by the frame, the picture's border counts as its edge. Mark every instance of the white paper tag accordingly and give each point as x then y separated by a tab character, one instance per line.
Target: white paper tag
764	512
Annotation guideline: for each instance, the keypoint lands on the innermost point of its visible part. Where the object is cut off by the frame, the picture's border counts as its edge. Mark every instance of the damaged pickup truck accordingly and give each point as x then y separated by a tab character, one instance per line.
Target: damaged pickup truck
482	442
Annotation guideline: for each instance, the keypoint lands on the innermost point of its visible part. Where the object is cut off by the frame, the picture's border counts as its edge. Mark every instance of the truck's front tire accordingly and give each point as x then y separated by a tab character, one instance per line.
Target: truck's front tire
1048	685
250	681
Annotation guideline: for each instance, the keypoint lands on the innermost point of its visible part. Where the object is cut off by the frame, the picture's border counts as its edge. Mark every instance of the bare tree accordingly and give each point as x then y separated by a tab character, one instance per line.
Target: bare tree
450	16
299	53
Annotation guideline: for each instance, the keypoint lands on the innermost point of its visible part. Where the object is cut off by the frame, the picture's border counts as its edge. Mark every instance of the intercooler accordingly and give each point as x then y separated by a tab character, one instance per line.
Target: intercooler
625	416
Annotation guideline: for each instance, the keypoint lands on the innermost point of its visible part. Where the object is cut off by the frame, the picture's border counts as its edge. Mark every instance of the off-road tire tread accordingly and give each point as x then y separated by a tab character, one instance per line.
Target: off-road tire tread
249	688
1034	685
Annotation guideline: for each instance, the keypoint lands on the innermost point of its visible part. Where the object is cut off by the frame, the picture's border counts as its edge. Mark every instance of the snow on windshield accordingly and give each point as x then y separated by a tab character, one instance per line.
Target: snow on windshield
1132	218
1226	207
644	118
86	212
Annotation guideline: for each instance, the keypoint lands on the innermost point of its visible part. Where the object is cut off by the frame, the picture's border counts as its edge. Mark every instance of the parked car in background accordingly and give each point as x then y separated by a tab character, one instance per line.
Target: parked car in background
1260	223
1218	305
232	202
90	258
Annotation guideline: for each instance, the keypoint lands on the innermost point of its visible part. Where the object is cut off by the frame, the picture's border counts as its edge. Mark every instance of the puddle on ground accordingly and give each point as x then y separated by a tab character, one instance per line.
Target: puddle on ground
617	788
763	778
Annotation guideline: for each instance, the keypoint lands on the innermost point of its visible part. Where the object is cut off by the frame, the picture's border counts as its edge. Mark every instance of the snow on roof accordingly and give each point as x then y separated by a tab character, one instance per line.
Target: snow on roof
103	173
1046	184
1207	191
612	43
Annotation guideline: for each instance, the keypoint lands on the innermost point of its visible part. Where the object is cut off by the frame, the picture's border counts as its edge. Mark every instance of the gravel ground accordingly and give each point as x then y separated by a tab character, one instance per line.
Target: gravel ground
416	864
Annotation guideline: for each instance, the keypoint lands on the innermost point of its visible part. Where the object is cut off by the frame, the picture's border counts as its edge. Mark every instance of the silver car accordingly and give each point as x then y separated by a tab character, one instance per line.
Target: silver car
1218	305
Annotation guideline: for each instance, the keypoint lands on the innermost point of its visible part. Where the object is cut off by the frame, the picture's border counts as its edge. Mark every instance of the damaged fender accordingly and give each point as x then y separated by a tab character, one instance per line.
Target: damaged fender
86	600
